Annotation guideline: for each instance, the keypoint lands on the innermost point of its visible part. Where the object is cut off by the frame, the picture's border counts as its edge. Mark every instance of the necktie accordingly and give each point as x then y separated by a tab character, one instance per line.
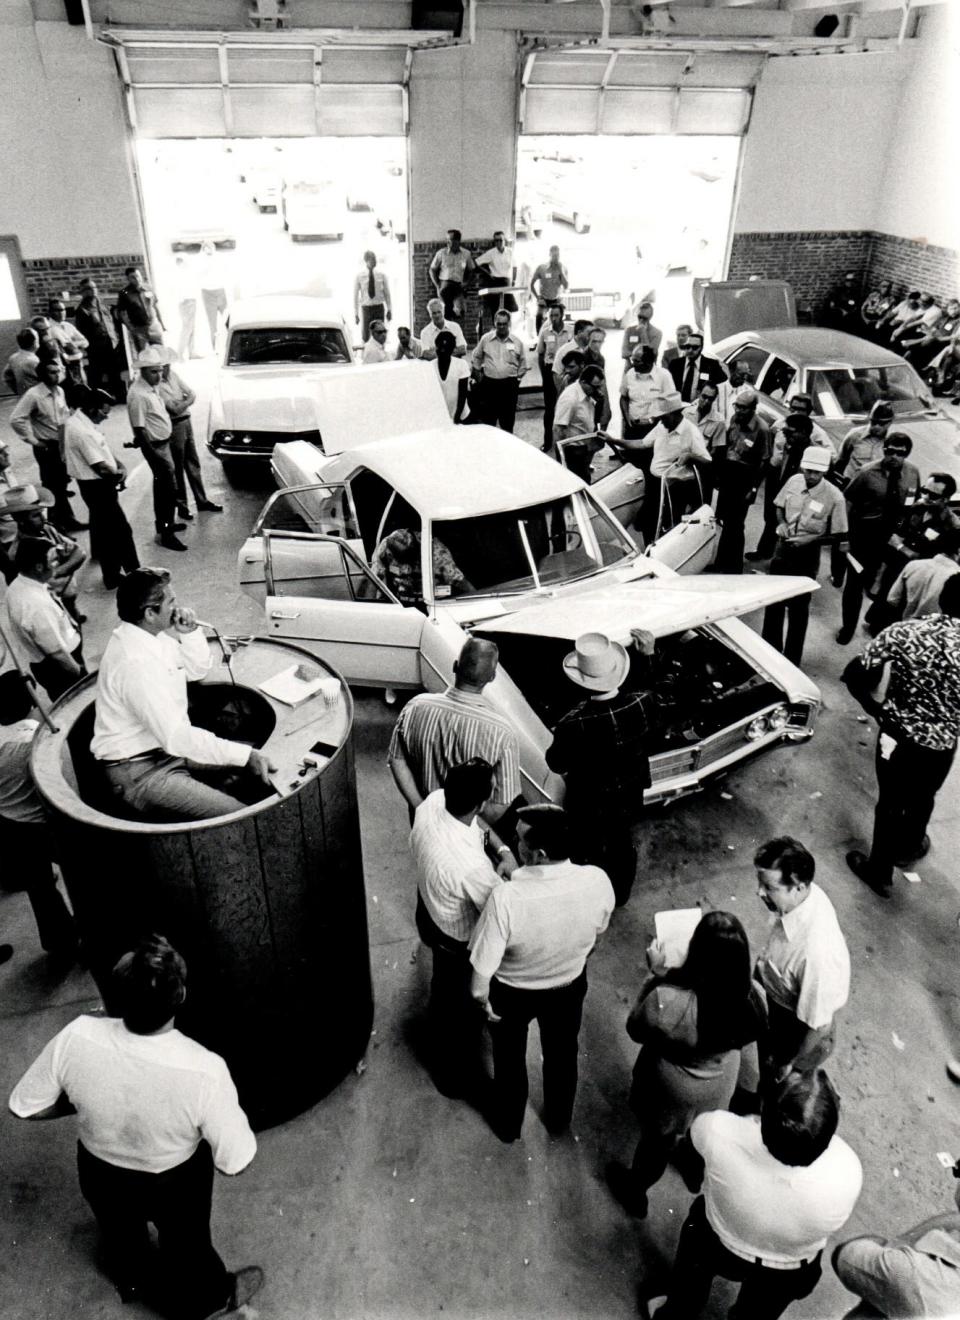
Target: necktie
371	286
689	376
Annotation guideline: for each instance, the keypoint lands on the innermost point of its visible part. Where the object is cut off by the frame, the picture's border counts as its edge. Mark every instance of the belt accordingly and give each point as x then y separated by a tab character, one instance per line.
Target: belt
769	1264
151	755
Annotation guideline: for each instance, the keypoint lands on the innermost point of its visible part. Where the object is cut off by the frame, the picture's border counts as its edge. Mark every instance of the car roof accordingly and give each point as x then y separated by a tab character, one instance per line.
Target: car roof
284	310
465	471
814	344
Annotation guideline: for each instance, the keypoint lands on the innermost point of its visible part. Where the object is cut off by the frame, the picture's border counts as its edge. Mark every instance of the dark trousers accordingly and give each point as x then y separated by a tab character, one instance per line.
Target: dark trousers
908	781
868	555
771	489
736	490
549	404
451	295
53	475
558	1012
498	401
375	312
455	1022
159	459
186	463
880	614
101	371
27	861
765	1293
178	1203
111	539
804	561
54	678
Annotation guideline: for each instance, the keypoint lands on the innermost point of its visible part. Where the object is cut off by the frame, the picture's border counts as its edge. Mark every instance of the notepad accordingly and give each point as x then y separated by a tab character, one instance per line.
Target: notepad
674	929
292	690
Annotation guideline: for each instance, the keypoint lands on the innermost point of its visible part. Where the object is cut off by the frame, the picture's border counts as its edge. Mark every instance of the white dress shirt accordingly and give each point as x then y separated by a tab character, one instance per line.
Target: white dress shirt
142	699
428	337
538	931
374	352
142	1102
500	359
757	1206
642	389
499	264
146	409
455	876
35	621
39	415
680	446
806	966
83	445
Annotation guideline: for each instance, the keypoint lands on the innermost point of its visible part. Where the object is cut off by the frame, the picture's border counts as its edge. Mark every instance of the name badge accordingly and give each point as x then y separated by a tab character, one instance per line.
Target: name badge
931	533
747	444
816	506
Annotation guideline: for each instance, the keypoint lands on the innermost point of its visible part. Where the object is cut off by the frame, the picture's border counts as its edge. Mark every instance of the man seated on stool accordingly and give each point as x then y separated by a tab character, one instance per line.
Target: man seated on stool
142	735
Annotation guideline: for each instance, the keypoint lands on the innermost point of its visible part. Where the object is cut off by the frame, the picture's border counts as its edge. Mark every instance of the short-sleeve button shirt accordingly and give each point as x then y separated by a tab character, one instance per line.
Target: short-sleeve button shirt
643	389
500	359
818	512
805	967
576	410
146	409
550	341
404	577
83	445
923	695
437	730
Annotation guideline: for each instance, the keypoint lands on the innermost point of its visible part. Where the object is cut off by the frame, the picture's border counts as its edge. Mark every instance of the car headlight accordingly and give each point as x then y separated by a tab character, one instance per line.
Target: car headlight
246	440
756	728
778	718
223	437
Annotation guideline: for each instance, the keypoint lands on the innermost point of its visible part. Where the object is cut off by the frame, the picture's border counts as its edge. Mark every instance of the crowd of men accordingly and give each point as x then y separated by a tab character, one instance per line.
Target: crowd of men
511	898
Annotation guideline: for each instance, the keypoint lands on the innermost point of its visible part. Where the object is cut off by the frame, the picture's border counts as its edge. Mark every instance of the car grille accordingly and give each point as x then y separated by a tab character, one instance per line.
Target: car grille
580	301
260	442
701	755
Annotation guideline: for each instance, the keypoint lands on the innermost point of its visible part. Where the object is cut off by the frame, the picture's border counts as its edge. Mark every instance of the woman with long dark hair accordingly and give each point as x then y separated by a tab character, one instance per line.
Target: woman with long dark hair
692	1024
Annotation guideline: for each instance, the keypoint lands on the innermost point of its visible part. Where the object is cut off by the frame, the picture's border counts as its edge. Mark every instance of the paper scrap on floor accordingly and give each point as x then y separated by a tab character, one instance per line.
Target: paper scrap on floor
292	690
674	929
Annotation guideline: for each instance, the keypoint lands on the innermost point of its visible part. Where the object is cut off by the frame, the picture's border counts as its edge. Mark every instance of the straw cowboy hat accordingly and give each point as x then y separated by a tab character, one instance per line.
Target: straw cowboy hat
151	357
668	404
22	499
597	663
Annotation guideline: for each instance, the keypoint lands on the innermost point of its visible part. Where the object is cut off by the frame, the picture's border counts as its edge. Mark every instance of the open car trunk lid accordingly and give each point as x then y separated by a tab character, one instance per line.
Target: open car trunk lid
661	606
376	401
725	307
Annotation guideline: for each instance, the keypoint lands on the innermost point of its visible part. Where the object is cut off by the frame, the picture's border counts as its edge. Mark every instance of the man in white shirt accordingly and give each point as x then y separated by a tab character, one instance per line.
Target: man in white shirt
448	273
142	734
156	1113
553	335
642	386
581	338
454	880
37	624
374	350
774	1189
100	476
437	323
407	346
38	419
152	431
496	271
805	967
679	451
916	591
499	365
575	415
529	954
371	294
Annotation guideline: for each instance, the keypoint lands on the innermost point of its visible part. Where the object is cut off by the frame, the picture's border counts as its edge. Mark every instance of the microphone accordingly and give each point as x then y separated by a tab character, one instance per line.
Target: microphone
202	623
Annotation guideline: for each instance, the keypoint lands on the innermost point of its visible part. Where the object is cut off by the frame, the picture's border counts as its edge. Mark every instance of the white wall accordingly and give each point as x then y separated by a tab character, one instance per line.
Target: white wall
815	152
67	188
920	196
463	156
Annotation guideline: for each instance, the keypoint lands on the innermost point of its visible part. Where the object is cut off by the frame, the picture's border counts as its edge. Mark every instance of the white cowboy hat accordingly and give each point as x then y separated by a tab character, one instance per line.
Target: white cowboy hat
22	499
597	663
668	404
151	357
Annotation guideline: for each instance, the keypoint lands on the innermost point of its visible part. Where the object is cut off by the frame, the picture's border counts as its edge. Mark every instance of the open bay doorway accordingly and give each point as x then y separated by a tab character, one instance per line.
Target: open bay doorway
232	218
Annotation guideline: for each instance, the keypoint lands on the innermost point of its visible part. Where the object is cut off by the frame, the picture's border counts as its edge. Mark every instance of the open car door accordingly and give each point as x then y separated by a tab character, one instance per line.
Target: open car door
660	605
320	593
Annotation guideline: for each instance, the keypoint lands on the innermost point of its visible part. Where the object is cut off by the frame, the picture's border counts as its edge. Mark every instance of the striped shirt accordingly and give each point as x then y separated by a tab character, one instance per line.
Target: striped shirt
455	876
438	730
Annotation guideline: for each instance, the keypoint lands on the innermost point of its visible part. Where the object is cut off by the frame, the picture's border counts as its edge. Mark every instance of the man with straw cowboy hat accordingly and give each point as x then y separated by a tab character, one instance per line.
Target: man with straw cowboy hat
678	448
600	748
152	429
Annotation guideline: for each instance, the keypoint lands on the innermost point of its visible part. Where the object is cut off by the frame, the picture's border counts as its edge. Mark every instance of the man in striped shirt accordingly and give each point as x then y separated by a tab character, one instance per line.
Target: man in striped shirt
455	877
438	730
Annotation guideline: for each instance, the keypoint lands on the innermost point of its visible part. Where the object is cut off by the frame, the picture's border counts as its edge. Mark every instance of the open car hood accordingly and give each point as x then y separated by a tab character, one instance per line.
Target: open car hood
660	605
725	307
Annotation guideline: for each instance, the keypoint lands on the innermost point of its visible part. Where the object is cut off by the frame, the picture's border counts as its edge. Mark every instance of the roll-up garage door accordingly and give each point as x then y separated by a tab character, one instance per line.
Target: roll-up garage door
183	89
638	92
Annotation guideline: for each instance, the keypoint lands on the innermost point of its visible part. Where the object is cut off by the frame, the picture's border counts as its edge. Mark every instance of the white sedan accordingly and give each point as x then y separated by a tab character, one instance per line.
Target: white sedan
542	560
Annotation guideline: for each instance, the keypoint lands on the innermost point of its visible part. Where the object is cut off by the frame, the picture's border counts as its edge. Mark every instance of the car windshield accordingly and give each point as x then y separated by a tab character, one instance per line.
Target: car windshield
542	545
297	344
846	391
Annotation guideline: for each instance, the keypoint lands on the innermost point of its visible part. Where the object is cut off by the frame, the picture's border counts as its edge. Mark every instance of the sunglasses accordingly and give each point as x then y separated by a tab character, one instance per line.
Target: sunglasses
896	453
931	494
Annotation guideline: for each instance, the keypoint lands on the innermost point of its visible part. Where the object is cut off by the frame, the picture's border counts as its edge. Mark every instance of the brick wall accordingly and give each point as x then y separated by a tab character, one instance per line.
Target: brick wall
52	276
423	288
813	261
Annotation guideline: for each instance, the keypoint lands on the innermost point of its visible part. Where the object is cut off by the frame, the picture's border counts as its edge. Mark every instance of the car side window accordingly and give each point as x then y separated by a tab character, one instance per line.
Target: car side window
324	509
755	359
778	376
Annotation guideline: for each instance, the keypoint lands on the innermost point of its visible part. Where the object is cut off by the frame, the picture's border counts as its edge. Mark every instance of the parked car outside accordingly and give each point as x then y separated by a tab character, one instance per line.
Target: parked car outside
845	376
312	210
543	560
270	352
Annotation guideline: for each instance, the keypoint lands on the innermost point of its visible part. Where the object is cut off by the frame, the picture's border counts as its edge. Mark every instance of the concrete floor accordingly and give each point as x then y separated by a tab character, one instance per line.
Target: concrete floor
387	1200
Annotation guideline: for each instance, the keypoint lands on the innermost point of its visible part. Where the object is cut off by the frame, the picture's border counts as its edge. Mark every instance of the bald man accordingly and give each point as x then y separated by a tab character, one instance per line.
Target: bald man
438	730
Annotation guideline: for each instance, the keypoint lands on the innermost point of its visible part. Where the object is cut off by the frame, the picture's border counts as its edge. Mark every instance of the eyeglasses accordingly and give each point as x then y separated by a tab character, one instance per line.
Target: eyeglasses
895	453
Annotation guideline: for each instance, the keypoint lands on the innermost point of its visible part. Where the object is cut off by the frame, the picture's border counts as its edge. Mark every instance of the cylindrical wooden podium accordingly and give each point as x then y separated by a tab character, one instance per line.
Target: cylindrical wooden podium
266	905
